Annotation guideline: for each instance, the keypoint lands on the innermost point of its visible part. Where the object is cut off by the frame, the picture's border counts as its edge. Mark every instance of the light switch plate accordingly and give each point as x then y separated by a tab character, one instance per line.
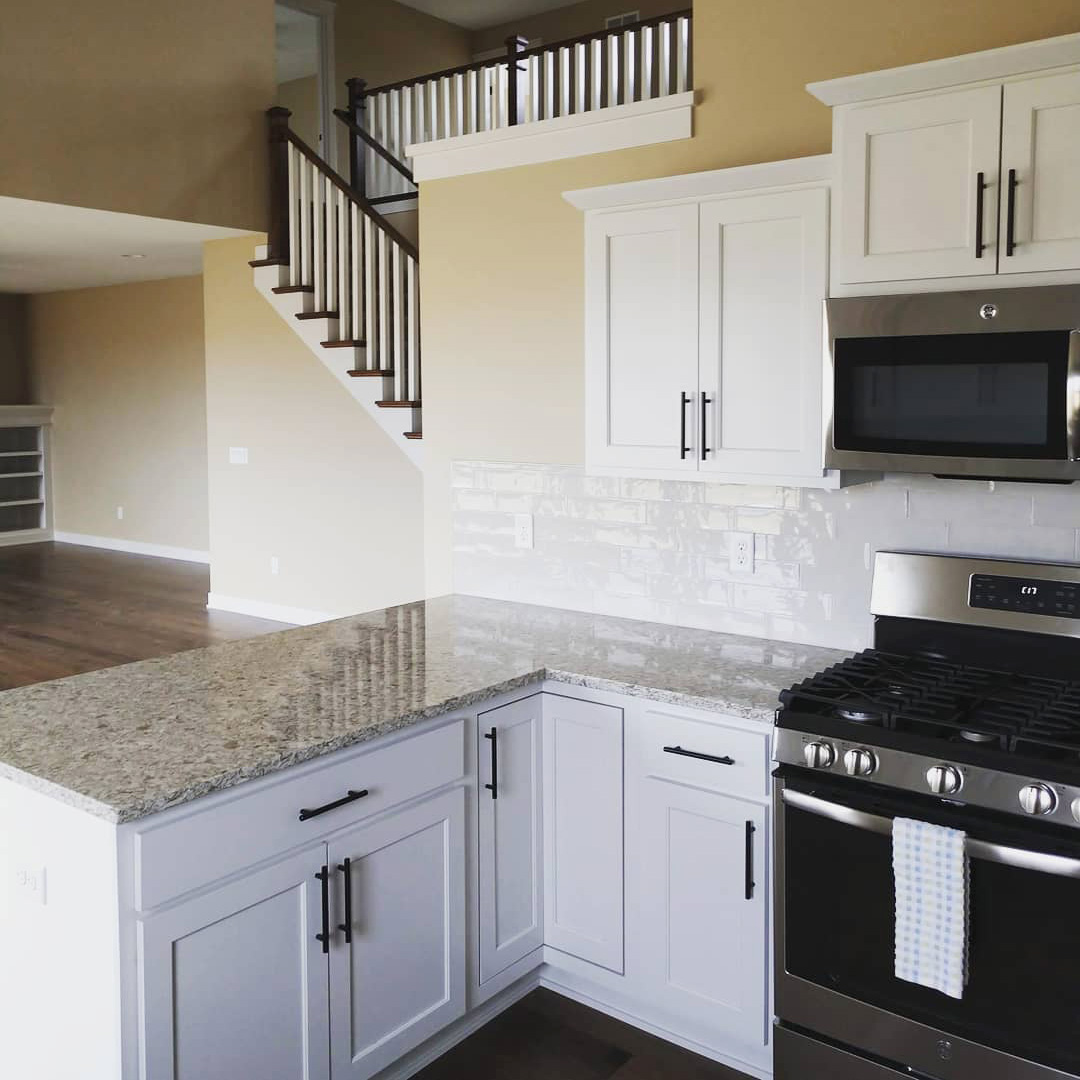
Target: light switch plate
28	884
238	455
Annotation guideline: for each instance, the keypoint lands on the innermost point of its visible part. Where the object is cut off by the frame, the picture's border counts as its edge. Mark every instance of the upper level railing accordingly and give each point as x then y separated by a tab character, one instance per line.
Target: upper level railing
638	62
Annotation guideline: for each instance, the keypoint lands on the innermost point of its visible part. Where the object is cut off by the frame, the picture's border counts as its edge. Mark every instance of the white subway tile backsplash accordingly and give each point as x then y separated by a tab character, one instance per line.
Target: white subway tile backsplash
658	549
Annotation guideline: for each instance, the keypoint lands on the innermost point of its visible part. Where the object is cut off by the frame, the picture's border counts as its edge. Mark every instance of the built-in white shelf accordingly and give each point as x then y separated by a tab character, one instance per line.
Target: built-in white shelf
25	510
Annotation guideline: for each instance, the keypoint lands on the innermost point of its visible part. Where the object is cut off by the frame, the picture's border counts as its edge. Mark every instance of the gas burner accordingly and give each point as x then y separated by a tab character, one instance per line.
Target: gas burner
977	737
859	714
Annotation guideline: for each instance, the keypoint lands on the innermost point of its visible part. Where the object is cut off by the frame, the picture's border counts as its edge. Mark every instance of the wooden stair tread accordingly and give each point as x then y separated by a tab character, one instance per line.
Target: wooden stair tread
293	289
268	262
398	404
413	434
318	315
355	343
356	374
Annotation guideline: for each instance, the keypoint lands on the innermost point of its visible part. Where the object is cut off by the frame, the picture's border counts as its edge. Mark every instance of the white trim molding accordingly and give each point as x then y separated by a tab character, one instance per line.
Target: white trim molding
814	170
986	66
640	123
133	547
25	415
260	609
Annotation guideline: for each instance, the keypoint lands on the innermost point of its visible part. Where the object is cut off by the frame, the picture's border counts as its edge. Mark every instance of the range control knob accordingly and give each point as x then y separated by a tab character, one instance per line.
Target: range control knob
944	779
1038	799
819	755
860	762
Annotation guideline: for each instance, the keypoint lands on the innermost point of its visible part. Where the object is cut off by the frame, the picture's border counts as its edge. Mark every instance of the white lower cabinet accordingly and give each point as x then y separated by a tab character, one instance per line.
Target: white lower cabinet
397	973
699	910
233	983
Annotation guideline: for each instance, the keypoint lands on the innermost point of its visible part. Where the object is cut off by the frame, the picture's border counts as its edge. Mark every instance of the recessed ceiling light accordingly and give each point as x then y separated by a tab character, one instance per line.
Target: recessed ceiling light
133	255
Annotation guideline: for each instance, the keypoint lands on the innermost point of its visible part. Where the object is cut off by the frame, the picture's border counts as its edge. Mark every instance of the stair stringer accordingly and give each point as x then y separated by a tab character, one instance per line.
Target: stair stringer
313	332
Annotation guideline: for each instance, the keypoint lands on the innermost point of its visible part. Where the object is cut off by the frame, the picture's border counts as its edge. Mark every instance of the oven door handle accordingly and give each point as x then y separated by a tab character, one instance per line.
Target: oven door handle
976	849
1072	398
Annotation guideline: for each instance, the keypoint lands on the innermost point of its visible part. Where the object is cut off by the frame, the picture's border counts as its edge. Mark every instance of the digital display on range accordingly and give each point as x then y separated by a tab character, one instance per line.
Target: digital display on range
1029	596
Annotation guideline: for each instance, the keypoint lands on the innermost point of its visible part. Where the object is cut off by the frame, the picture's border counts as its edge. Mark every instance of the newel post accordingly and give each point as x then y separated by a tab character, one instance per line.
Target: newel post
357	104
278	238
514	45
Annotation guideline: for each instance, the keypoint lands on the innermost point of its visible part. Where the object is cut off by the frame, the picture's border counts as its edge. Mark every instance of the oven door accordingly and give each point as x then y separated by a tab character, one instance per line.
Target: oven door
1019	1018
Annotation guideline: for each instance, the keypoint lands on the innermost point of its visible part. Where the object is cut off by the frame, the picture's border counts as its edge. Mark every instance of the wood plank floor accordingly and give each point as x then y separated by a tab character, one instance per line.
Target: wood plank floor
65	610
548	1037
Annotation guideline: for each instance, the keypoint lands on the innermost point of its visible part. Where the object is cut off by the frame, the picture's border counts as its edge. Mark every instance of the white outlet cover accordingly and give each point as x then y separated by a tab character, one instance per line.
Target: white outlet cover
741	552
119	513
238	455
523	530
275	566
29	884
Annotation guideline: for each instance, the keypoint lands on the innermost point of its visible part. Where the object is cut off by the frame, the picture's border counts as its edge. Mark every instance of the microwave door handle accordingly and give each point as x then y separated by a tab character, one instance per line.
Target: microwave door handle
1058	865
1072	398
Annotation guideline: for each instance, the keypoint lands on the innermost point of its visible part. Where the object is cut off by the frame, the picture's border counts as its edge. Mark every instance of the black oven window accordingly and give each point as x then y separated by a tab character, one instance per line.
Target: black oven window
1000	395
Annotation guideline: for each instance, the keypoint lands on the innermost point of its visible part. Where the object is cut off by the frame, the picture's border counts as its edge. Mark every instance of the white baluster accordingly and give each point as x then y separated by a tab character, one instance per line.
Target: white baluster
331	246
370	289
683	35
341	205
613	70
663	57
470	102
383	290
459	104
294	215
305	223
446	121
355	272
647	72
397	304
629	72
394	179
413	285
318	254
407	138
420	104
433	108
562	58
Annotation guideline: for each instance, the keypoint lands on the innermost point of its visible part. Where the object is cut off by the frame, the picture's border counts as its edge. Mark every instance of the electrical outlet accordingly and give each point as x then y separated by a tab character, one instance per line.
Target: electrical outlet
29	883
119	513
523	530
238	455
274	564
741	553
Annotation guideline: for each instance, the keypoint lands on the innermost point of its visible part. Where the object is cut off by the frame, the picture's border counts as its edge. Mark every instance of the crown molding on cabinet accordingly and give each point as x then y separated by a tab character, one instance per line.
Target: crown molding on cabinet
702	185
992	64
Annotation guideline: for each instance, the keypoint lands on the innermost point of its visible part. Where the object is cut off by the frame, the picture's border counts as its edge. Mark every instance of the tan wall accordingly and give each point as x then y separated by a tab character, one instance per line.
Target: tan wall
325	490
301	98
123	366
502	252
146	108
14	350
572	21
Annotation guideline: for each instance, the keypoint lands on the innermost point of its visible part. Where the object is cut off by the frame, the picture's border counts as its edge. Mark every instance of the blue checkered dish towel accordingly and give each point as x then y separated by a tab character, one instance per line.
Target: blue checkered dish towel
930	868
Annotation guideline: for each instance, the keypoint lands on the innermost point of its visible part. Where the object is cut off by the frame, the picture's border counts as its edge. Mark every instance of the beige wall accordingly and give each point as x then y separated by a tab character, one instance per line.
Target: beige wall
14	350
146	108
325	490
123	366
502	252
572	21
301	98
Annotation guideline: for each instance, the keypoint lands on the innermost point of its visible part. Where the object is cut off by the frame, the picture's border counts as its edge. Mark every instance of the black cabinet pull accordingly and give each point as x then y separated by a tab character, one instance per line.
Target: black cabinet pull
352	796
980	187
1010	226
346	868
706	401
725	760
324	876
684	400
749	860
493	787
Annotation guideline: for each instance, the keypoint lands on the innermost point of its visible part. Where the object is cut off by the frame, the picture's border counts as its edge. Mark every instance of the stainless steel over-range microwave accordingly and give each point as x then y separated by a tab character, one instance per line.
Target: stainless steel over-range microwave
967	384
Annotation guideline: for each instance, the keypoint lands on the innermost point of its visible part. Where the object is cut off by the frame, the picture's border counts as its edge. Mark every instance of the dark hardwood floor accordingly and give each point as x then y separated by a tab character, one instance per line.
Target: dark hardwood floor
66	609
548	1037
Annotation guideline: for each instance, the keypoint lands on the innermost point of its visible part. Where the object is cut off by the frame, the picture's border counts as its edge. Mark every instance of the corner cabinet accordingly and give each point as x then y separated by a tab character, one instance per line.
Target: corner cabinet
704	324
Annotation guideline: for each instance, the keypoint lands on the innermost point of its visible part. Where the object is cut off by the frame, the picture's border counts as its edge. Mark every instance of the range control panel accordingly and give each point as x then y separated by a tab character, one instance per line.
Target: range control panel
1029	596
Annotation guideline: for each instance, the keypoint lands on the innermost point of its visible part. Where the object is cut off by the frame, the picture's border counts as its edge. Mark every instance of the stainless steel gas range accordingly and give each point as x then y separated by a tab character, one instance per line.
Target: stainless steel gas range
965	713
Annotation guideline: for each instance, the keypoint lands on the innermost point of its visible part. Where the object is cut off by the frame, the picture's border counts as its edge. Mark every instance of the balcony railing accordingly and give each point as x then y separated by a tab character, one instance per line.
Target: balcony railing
638	62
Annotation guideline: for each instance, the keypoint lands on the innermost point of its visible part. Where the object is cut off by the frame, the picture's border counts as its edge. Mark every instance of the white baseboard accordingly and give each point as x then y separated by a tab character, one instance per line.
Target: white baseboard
133	547
262	610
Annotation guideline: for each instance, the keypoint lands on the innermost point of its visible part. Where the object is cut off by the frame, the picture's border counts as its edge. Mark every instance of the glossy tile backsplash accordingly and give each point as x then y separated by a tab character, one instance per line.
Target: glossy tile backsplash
658	549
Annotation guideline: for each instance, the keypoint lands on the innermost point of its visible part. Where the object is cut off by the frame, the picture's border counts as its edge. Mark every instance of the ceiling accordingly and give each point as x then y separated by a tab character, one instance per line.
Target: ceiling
45	247
296	43
480	14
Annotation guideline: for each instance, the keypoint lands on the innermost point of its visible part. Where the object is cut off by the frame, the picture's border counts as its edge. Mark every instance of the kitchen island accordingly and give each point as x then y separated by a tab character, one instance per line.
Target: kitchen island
164	821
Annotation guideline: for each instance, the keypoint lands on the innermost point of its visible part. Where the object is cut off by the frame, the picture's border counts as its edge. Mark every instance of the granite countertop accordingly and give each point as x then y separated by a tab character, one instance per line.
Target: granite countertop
129	741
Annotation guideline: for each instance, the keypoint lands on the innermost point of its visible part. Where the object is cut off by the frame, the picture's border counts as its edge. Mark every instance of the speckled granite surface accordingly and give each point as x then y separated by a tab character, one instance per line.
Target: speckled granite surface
129	741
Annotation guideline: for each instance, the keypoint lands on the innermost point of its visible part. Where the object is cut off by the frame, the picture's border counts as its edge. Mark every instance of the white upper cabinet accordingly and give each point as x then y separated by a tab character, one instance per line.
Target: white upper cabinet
1040	154
703	324
764	272
910	174
961	170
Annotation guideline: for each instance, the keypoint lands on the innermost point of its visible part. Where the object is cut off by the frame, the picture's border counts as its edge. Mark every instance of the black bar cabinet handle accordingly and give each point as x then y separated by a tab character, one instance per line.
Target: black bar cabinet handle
493	787
706	401
1010	226
725	760
684	400
346	868
352	796
749	860
324	876
980	187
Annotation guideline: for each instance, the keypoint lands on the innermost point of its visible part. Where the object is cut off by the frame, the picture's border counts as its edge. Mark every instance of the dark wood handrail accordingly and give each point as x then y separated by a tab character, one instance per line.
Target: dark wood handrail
374	143
351	193
498	61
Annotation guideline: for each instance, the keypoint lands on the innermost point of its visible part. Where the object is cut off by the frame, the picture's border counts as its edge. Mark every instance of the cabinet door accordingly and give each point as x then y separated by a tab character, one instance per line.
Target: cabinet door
1041	145
641	269
909	173
583	830
509	754
764	276
699	931
401	978
233	983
